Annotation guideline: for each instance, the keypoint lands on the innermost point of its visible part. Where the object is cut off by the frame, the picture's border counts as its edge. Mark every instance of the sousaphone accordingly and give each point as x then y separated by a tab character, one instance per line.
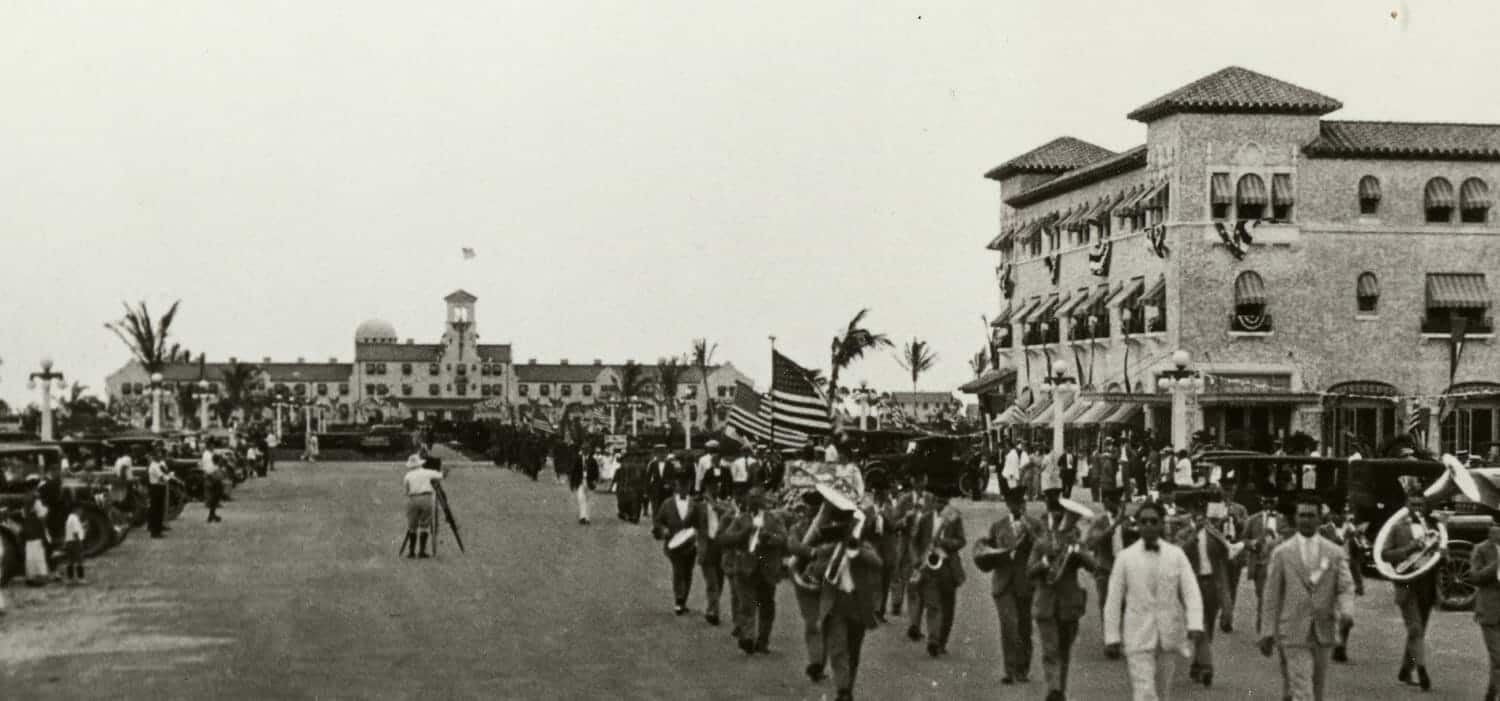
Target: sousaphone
1455	480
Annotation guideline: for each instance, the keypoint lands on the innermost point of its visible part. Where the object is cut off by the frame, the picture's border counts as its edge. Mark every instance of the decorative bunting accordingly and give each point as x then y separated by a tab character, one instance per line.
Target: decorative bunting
1242	229
1156	237
1007	283
1100	257
1054	265
1231	241
1263	387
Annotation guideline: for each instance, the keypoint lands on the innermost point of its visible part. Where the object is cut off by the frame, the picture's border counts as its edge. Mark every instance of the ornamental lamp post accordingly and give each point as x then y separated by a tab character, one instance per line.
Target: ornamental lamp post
203	393
47	377
1181	381
1062	388
156	390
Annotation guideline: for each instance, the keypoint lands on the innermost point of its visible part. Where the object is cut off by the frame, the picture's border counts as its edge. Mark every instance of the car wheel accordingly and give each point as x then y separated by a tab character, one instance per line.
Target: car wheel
10	555
98	532
969	485
1455	593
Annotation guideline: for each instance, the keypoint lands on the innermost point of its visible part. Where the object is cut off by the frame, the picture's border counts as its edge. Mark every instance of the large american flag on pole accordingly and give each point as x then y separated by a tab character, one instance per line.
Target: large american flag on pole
750	416
796	404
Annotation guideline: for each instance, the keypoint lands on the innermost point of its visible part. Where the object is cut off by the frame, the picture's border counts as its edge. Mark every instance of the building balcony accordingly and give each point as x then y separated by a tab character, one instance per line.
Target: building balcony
1443	326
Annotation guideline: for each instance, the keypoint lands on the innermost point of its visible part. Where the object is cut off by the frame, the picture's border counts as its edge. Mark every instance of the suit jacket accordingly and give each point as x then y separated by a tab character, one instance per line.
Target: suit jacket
1100	540
1398	545
865	570
1153	599
1295	610
766	562
1010	573
716	477
1218	559
581	469
1256	554
1064	600
951	540
1484	562
668	522
890	539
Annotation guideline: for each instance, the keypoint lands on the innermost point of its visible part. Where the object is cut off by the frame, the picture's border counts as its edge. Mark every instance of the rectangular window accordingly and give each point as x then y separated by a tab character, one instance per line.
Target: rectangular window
1439	215
523	389
370	369
434	389
726	392
546	390
566	389
588	390
406	368
369	390
406	390
484	370
463	390
322	389
300	388
344	388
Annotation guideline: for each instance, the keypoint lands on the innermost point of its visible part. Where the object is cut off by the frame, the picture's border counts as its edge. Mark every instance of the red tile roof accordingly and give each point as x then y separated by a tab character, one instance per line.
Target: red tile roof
1425	140
1058	155
494	352
398	352
1236	89
1132	159
555	372
280	372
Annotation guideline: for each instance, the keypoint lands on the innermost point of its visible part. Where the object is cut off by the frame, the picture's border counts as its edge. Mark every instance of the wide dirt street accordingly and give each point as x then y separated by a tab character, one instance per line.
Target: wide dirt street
299	594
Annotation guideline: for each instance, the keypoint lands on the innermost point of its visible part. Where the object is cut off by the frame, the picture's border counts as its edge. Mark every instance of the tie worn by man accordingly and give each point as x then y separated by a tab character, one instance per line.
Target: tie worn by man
1309	592
1013	535
1484	574
717	511
1414	597
1154	612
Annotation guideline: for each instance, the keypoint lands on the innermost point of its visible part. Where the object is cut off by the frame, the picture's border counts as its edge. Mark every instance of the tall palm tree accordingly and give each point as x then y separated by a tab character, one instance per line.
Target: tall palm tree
916	358
703	357
850	346
148	339
239	379
633	384
977	363
668	380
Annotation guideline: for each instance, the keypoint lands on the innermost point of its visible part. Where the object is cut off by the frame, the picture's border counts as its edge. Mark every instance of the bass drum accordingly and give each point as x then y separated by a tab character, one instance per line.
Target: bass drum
11	564
1412	567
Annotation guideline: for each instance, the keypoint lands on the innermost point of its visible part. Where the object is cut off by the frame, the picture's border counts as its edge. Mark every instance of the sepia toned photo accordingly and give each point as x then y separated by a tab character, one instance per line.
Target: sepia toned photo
1053	351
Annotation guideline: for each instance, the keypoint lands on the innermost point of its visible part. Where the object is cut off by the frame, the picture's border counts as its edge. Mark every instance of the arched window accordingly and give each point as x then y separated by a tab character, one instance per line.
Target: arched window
1438	200
1250	197
1369	195
1367	292
1358	416
1250	315
1473	201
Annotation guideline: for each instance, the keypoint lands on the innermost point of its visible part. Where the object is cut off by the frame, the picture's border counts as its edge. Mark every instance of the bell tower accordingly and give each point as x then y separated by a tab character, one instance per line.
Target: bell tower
460	332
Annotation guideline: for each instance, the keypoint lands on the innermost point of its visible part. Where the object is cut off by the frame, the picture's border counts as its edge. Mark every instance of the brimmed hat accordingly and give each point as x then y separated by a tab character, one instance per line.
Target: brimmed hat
711	444
838	494
1074	510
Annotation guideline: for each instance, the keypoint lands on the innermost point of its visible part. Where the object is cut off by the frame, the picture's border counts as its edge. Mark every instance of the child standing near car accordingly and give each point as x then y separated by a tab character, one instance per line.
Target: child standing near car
73	546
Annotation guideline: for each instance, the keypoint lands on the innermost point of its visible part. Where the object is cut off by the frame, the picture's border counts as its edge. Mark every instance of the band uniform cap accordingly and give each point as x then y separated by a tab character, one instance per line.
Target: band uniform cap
662	446
711	444
1014	495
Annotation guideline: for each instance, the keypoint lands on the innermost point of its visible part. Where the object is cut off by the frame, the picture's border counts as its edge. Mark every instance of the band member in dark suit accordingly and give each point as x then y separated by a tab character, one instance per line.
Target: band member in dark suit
1067	472
659	471
849	583
630	488
716	512
890	541
1263	532
761	534
583	474
1108	534
940	537
716	478
1232	526
1013	536
1415	597
1208	553
802	531
674	515
1484	574
1058	600
911	503
1340	529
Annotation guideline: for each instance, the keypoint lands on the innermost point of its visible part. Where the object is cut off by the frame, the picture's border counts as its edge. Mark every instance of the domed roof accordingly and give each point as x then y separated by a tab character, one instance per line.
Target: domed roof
375	331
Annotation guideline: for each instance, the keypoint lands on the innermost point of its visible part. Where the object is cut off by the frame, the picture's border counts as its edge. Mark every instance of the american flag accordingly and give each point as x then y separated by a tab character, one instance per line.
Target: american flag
795	402
750	415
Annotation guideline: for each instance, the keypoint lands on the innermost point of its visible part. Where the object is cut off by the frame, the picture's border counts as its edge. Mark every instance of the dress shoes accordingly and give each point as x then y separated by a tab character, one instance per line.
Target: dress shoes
747	646
815	673
933	649
1340	654
913	634
1423	680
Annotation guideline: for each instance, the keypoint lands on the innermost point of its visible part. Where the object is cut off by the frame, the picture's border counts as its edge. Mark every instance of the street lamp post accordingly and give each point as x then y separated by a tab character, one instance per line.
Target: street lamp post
156	390
1062	388
1181	381
204	393
47	376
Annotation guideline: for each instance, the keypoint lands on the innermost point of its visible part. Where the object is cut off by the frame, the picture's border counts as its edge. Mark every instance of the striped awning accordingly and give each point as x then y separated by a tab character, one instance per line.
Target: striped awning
1474	194
1249	289
1125	291
1072	217
1010	416
1006	233
1219	191
1123	415
1369	188
1457	291
1367	285
1158	289
1041	311
1040	411
1102	207
1096	413
1074	300
1018	315
1095	301
1155	197
1438	194
1075	410
1250	190
1281	190
1003	319
1126	206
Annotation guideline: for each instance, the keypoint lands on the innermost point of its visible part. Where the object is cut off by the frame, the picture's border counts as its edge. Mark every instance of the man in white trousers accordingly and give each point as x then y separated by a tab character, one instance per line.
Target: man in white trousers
1154	610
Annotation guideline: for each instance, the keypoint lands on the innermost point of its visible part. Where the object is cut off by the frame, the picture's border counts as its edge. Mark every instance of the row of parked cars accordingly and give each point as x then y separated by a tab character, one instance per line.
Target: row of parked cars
112	504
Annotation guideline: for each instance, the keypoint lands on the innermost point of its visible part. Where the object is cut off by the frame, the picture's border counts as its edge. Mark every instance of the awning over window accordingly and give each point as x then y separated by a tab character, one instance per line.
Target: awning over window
1457	291
1250	190
1041	311
1095	301
1367	285
988	382
1158	290
1249	289
1006	233
1219	191
1075	410
1102	208
1126	291
1026	232
1474	194
1157	198
1439	194
1095	413
1074	301
1369	188
1040	411
1003	319
1019	315
1123	415
1127	204
1072	217
1281	190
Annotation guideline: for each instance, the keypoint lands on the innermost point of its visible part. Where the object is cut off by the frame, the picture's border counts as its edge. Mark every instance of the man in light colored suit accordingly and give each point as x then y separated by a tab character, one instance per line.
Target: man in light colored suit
1309	593
1484	573
1153	610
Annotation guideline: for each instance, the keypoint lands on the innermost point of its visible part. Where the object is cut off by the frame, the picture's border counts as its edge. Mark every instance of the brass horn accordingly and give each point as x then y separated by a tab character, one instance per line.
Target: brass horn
1418	563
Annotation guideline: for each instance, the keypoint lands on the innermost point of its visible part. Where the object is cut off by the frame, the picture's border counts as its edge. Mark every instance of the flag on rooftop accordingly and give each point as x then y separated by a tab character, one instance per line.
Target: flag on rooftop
796	403
468	253
750	416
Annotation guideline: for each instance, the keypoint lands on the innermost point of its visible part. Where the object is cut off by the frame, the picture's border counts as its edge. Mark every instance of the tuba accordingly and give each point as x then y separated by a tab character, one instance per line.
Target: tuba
1455	480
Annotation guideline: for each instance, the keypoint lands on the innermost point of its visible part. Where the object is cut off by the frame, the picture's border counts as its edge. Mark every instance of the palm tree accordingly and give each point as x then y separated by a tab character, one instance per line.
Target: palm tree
239	379
633	383
815	376
977	363
703	357
850	346
668	379
147	340
916	358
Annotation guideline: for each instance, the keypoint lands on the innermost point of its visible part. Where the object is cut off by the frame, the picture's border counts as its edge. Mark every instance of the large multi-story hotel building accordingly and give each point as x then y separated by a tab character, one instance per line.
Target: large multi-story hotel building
456	378
1328	277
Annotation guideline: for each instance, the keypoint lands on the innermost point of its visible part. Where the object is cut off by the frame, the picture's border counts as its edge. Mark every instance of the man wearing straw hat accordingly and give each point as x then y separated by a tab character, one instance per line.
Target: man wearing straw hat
761	534
1058	600
674	521
421	508
850	583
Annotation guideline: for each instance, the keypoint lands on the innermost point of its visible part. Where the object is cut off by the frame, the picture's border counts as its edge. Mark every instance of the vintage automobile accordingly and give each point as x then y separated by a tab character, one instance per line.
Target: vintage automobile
24	463
947	462
385	440
1374	490
138	445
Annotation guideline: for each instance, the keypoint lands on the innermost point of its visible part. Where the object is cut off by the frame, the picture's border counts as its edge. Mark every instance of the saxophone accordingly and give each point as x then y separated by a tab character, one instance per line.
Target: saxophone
1058	562
936	557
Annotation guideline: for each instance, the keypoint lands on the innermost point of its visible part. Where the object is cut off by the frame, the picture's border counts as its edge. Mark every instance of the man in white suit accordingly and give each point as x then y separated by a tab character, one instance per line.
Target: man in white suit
1309	594
1153	609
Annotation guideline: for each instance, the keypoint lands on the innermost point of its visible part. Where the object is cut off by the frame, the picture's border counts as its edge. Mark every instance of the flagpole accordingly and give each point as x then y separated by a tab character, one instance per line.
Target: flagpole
771	394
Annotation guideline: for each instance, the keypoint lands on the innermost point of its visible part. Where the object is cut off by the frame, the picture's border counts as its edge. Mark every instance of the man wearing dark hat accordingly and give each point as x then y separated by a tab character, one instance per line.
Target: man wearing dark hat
847	600
715	478
890	530
659	472
1058	602
939	535
908	508
1011	539
1108	535
1263	532
1208	554
674	521
1484	574
761	534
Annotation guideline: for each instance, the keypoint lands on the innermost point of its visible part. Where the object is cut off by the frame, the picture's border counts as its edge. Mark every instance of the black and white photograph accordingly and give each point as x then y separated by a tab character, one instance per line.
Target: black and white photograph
1032	350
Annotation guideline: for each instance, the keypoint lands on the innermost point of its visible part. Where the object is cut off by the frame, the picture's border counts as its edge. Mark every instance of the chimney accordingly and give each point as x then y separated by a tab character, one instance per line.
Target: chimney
266	359
598	362
564	361
531	361
410	341
301	359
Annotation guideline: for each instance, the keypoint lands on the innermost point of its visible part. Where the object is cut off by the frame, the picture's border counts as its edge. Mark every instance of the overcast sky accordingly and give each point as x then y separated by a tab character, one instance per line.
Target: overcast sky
632	175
